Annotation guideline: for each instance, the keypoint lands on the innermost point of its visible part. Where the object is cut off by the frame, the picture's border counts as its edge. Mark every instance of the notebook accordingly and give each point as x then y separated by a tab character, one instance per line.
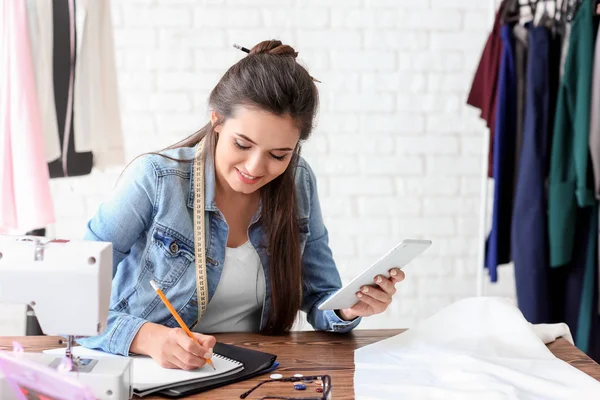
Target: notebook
255	363
148	377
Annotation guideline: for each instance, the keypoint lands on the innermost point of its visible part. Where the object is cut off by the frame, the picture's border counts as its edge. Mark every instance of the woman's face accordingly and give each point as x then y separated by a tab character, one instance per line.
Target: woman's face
254	147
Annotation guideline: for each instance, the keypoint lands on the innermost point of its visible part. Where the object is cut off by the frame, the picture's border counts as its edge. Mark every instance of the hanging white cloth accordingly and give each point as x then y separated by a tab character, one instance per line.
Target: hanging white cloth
478	348
41	36
97	121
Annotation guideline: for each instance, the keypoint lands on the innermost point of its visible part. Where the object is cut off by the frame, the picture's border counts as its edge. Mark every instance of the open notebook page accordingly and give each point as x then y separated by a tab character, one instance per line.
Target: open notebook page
149	377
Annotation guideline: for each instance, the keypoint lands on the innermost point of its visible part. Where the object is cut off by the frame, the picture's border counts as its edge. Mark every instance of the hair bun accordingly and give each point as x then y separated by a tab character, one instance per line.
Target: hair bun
274	47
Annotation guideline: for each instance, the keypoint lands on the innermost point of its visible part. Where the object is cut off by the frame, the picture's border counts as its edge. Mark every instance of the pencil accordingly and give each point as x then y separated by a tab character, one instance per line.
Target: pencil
178	318
242	48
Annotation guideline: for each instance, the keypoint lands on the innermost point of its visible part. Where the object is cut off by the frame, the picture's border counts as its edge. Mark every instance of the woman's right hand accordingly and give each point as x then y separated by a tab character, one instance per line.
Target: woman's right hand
172	347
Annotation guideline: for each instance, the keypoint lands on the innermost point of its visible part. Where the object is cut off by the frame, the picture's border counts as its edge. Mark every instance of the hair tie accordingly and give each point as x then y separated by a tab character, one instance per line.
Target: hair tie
245	50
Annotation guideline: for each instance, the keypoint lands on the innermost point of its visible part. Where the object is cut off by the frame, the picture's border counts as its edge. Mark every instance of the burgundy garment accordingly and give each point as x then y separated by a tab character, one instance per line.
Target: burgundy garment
484	93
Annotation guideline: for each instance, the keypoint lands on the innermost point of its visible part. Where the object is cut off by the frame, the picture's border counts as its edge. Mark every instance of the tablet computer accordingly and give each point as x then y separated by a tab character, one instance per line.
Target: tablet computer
398	257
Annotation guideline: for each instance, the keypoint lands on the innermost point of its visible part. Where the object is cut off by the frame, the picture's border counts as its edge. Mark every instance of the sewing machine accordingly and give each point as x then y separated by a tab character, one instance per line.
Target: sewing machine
68	285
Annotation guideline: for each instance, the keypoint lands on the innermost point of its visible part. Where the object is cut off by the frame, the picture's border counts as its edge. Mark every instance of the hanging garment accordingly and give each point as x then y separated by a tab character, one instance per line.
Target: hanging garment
41	37
498	242
595	134
70	163
568	186
577	293
565	47
483	93
520	33
595	117
594	343
529	242
97	121
587	309
25	199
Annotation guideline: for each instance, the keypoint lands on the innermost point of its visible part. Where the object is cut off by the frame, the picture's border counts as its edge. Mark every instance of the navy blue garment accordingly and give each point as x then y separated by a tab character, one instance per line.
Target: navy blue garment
498	242
571	291
529	233
594	343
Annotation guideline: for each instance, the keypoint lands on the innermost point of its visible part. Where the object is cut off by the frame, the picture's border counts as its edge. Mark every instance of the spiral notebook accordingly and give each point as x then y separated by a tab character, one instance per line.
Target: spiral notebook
255	363
148	377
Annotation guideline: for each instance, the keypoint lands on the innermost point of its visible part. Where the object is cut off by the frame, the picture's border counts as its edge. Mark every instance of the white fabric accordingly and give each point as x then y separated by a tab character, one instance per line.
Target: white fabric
548	333
41	35
477	348
97	121
236	305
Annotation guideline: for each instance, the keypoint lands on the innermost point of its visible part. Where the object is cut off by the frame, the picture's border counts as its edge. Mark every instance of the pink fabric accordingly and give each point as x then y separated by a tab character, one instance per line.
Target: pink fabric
25	199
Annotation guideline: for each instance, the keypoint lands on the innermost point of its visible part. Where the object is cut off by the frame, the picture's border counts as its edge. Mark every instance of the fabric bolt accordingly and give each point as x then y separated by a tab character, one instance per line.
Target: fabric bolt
498	242
25	198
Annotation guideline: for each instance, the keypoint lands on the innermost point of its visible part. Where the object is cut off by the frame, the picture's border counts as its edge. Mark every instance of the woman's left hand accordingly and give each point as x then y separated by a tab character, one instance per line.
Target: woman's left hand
374	299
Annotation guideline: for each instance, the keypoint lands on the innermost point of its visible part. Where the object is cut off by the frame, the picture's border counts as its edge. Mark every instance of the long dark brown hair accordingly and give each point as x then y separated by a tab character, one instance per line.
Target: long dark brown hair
270	79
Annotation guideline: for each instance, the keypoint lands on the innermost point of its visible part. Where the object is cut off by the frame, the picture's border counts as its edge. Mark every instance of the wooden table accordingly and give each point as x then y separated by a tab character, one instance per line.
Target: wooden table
308	353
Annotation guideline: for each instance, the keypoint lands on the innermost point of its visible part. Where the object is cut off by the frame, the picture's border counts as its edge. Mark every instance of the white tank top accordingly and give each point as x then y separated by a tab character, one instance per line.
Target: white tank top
237	303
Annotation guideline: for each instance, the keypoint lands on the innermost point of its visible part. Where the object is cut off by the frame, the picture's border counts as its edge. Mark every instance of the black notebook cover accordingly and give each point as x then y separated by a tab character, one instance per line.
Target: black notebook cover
255	363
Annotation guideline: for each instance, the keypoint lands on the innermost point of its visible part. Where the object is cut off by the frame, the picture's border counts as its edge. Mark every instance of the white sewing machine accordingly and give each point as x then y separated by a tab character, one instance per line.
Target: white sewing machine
68	285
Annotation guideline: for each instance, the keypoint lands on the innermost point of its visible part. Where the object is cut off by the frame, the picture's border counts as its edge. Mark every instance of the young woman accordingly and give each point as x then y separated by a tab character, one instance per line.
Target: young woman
266	247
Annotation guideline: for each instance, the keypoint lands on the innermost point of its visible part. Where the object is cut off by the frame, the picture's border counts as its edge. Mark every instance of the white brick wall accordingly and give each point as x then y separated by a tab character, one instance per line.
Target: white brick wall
396	151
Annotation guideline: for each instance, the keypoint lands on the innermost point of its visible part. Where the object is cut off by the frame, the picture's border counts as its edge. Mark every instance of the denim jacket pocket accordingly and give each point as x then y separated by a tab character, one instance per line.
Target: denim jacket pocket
123	304
168	256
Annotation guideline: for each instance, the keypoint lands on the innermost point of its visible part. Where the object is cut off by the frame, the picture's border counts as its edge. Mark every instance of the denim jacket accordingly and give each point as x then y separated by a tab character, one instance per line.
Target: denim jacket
149	221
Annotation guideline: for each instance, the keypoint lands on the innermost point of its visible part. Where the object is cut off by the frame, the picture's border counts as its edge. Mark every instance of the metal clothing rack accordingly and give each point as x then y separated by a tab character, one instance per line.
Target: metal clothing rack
567	9
483	208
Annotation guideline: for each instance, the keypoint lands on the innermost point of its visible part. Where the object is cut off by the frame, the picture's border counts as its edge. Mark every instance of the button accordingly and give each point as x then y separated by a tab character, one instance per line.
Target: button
276	376
298	375
319	390
174	247
300	386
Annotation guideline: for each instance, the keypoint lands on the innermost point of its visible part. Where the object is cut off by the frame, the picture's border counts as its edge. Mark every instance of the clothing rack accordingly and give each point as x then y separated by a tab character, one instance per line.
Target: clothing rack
540	72
483	205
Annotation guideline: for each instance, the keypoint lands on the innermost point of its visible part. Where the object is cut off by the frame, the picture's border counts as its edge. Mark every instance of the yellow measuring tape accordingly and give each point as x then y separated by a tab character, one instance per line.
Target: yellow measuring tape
199	242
